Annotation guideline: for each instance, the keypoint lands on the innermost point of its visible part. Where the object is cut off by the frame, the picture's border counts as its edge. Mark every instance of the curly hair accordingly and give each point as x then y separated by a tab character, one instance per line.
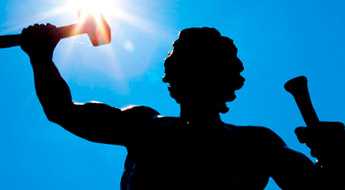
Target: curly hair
203	60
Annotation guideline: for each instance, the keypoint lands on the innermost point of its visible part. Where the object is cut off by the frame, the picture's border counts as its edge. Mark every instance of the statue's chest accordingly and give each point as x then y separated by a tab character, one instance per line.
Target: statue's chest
198	159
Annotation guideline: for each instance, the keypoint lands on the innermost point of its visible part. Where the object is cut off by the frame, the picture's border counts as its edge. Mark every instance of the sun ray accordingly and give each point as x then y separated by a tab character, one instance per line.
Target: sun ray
119	14
36	18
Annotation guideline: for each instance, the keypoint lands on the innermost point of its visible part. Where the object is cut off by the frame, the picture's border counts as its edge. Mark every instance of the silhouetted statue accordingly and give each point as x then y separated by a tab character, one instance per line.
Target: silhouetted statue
195	150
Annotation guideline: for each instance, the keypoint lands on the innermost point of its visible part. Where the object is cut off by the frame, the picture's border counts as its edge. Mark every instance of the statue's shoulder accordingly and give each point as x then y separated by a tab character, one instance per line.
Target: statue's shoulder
257	135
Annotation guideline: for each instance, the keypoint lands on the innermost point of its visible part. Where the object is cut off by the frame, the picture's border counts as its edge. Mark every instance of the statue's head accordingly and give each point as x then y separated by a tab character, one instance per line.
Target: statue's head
203	66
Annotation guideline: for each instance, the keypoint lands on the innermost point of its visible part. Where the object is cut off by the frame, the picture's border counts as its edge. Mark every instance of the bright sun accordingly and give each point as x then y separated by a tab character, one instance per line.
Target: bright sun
90	6
119	14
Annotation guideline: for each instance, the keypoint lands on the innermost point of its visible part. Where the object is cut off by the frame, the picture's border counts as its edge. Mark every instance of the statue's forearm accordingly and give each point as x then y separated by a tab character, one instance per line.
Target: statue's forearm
52	90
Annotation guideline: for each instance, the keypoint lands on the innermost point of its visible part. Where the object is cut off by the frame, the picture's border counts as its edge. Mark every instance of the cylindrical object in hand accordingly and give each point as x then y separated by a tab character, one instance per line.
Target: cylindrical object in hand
298	87
10	40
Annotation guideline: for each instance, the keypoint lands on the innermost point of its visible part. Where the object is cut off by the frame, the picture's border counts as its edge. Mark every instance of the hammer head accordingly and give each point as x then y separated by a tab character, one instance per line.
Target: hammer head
97	29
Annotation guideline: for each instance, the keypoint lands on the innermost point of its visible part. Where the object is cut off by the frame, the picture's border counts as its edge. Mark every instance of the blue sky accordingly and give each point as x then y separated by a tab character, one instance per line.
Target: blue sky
277	40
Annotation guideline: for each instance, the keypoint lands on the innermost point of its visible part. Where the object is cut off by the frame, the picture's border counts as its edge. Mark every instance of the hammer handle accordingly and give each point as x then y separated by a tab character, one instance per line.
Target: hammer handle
7	41
71	30
10	40
298	87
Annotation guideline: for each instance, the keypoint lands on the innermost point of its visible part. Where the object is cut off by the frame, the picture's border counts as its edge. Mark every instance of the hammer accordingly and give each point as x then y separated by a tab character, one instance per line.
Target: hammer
97	29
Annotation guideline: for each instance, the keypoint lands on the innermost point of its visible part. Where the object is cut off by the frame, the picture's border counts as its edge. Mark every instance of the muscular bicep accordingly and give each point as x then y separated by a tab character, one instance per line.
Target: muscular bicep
101	123
289	169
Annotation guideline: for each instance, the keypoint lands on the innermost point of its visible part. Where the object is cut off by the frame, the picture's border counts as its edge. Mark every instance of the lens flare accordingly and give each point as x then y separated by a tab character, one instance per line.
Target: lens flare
86	7
133	28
